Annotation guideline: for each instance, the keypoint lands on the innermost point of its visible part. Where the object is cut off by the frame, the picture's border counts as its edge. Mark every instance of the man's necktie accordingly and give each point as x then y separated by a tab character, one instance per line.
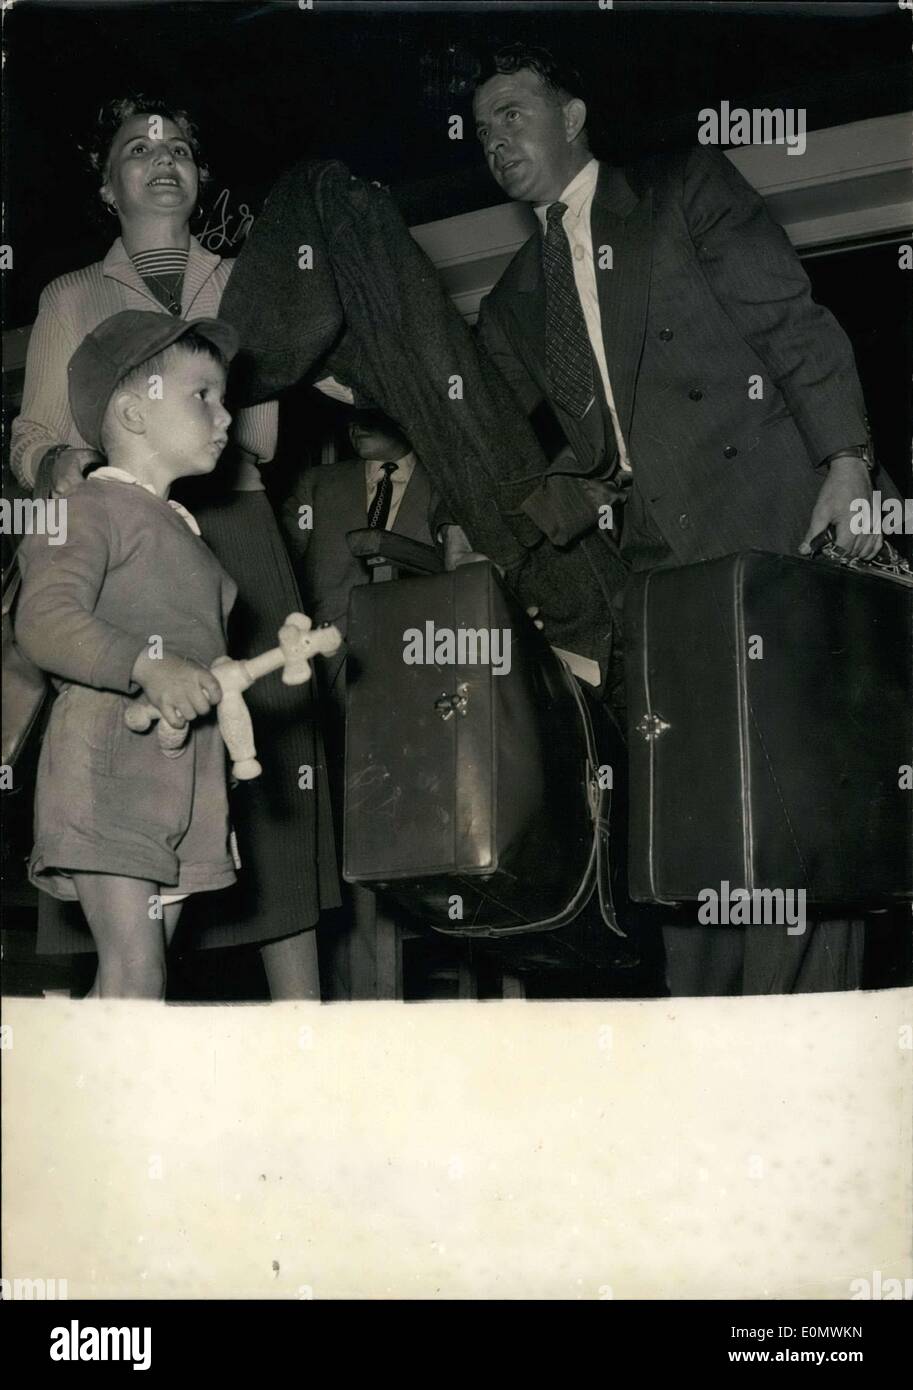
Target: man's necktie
379	510
568	357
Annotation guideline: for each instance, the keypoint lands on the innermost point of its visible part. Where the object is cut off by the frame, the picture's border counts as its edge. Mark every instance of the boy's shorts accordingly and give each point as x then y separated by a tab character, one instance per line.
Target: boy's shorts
109	801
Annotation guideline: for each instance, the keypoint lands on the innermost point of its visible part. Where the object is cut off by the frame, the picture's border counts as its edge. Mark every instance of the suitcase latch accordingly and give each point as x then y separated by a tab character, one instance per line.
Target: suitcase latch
651	726
449	705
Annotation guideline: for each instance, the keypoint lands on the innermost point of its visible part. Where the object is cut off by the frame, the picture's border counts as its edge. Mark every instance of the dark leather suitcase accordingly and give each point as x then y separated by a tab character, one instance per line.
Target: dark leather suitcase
459	781
772	765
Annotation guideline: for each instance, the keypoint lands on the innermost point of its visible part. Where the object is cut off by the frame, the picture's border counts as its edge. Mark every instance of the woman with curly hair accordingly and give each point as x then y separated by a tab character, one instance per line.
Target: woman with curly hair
146	156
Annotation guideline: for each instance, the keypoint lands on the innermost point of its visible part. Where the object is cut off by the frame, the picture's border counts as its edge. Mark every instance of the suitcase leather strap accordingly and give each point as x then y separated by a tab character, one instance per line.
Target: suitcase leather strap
598	873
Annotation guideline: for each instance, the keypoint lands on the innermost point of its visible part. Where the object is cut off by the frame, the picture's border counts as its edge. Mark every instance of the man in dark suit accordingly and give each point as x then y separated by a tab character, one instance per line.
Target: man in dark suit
667	322
386	486
339	497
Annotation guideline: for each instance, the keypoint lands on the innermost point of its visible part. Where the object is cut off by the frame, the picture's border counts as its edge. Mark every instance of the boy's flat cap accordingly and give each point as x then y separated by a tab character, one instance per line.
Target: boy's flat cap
121	343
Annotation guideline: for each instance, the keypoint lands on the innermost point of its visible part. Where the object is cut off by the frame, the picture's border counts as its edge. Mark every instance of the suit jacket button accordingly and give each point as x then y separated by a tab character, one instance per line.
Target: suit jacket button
730	451
666	334
695	395
684	520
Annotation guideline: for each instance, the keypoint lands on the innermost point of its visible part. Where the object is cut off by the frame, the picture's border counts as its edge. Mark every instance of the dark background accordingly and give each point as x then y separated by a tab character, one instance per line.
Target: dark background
374	85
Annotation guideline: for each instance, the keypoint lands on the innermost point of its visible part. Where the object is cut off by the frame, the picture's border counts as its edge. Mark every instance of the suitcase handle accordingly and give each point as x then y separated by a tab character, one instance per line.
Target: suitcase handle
379	547
888	563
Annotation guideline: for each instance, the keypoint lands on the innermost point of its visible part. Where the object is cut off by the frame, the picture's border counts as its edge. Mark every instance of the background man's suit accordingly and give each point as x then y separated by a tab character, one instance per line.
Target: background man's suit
327	569
327	573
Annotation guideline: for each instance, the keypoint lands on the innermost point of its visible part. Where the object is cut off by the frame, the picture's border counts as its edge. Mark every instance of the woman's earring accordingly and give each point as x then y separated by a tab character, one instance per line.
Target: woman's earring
112	208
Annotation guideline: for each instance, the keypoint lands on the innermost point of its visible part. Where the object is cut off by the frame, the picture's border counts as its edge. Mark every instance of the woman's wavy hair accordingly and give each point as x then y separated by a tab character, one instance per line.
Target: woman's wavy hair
96	149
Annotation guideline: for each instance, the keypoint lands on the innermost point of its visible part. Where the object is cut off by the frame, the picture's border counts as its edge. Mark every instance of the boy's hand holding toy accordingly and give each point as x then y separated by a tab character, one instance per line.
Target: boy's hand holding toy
178	687
179	684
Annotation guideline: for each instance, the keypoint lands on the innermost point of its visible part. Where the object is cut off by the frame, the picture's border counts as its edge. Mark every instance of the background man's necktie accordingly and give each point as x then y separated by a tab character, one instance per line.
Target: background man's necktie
379	509
568	357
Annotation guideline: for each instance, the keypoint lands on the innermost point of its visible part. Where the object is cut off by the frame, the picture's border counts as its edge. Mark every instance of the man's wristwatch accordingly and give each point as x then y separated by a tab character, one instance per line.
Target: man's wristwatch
856	451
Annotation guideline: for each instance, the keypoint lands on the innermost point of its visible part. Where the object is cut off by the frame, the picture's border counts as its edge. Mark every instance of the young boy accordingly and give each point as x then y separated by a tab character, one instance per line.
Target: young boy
133	602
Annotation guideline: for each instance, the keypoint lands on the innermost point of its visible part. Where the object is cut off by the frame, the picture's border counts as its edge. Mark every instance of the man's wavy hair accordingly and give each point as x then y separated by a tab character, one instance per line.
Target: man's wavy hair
97	148
560	78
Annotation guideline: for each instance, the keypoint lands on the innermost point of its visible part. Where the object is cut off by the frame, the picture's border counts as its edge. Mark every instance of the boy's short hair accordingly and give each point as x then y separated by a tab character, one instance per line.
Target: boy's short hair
126	346
192	342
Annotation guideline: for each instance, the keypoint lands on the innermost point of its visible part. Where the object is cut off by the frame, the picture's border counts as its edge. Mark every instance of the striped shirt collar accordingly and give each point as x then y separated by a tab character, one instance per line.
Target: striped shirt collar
201	263
165	260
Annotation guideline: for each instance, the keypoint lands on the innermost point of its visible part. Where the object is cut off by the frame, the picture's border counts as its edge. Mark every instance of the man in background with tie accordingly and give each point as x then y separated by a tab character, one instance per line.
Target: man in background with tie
664	318
386	487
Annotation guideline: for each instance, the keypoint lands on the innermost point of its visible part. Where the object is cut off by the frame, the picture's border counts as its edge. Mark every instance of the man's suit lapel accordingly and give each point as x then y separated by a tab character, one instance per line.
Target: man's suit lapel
352	498
351	501
412	514
529	303
619	220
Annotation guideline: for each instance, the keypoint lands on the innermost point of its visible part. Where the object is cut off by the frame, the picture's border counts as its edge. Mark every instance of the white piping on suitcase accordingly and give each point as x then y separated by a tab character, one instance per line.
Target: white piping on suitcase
651	726
746	719
775	783
648	699
741	677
